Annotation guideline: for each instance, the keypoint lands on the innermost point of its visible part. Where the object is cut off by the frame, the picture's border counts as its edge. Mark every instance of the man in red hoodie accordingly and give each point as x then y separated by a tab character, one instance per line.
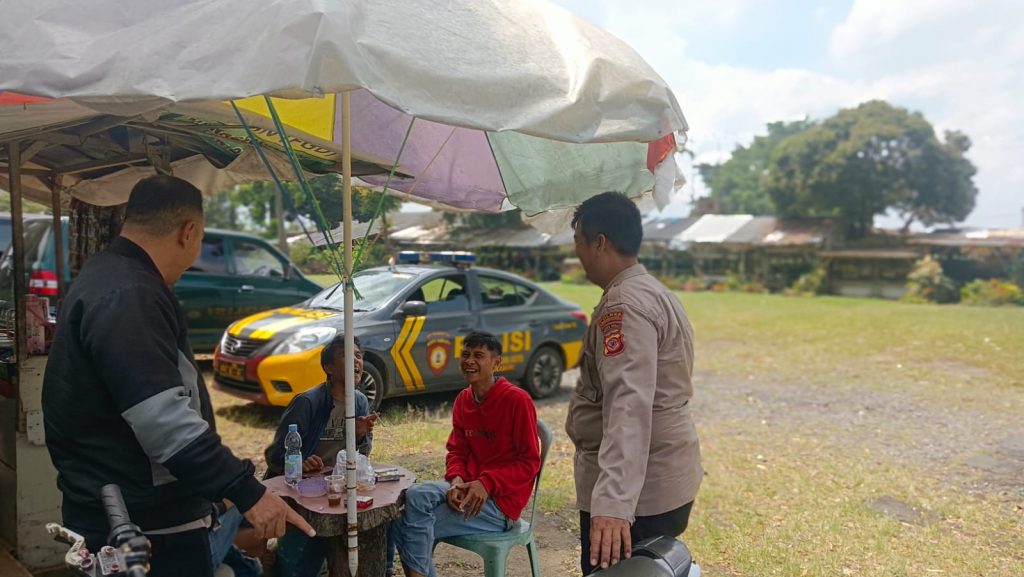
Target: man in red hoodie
492	463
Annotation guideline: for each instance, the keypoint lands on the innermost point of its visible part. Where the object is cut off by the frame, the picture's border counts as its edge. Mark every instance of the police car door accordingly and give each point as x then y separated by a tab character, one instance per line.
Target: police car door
424	351
504	312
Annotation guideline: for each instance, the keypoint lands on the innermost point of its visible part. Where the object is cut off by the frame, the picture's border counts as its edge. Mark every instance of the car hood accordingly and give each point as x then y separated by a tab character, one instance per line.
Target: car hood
278	323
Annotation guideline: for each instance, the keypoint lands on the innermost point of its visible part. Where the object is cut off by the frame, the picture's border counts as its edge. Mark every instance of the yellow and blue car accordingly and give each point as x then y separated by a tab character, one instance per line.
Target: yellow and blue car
411	318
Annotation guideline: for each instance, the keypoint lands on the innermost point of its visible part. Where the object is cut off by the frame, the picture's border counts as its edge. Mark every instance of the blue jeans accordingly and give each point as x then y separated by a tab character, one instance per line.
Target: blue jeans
223	550
428	517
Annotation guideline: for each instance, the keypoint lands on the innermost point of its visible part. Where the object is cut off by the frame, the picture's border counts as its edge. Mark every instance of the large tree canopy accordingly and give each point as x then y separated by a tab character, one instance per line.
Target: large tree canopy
735	185
860	163
251	206
867	160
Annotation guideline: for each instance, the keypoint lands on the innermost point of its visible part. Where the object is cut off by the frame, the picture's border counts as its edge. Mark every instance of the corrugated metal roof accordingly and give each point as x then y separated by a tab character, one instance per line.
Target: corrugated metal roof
666	229
421	235
428	228
879	253
798	232
989	238
712	228
522	237
753	231
397	222
740	229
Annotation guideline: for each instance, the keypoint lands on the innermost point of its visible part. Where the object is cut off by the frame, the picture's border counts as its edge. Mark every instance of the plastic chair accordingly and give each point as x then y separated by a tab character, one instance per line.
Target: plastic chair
494	548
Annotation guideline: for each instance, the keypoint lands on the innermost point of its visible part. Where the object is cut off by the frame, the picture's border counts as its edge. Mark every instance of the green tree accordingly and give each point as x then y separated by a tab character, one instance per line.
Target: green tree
944	190
27	206
258	200
474	221
864	161
737	184
222	210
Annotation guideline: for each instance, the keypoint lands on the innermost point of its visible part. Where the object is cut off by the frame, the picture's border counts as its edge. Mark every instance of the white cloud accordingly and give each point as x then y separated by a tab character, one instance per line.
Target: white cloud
957	61
887	35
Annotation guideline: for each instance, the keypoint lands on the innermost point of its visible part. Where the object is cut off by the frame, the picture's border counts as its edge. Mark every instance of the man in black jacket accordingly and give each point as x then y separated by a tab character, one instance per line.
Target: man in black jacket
124	402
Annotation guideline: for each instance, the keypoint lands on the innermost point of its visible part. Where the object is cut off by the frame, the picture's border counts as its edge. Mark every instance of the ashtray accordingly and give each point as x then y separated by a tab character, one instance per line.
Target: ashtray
312	487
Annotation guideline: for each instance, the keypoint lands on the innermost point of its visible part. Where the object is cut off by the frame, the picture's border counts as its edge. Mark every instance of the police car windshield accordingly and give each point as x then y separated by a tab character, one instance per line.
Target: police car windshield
373	289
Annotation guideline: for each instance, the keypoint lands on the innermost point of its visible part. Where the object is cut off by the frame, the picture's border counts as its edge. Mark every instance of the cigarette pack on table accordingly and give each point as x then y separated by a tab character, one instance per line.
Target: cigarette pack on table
363	501
387	474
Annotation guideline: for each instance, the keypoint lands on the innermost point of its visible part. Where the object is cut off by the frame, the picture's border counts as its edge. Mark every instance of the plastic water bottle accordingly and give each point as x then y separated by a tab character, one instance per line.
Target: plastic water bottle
292	456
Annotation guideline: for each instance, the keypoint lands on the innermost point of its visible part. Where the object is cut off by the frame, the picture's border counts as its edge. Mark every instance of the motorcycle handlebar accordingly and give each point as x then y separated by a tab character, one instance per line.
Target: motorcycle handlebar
117	512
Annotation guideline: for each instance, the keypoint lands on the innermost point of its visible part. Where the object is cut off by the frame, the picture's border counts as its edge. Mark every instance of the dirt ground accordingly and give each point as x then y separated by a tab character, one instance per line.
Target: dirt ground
981	452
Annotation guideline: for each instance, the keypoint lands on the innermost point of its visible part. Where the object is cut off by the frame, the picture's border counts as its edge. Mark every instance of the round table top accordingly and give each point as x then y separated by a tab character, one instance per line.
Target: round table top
330	521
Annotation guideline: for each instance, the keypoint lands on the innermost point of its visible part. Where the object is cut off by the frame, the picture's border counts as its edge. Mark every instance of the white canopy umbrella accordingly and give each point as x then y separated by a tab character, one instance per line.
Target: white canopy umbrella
522	77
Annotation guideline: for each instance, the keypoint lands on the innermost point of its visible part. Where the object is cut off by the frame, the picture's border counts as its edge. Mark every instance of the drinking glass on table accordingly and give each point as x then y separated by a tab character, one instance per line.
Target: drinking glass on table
335	488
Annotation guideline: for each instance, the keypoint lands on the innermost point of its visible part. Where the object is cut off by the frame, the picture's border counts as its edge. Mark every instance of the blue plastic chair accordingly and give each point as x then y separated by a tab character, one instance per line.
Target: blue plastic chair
494	548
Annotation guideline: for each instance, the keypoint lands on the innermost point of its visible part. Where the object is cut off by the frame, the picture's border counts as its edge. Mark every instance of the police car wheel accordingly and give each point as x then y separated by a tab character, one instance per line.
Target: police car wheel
372	385
544	373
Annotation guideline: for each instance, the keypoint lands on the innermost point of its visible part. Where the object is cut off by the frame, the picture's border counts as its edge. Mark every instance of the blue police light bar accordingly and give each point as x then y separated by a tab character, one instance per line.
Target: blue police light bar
460	258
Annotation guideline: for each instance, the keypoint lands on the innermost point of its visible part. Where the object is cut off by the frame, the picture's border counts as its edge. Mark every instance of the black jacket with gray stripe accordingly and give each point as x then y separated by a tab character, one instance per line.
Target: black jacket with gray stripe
124	403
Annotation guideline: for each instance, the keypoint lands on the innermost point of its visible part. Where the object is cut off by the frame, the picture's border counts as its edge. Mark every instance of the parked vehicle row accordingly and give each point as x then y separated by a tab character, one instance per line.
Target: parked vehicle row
235	275
266	322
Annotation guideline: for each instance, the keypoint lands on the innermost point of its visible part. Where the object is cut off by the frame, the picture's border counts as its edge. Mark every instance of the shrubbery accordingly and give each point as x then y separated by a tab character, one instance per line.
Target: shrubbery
992	292
927	284
575	275
699	283
809	284
687	283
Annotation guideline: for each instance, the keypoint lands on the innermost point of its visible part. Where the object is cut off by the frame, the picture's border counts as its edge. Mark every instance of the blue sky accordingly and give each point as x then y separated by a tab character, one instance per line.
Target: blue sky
737	64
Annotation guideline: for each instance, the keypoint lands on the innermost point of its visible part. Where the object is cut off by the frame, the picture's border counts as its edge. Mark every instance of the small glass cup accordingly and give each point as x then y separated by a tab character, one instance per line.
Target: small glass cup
335	488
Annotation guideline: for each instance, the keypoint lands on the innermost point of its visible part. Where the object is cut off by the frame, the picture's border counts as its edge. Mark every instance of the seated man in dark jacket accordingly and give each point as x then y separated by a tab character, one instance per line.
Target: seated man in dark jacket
319	414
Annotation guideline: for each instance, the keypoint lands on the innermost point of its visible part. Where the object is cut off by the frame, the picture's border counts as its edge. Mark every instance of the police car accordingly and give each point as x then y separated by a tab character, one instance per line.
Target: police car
411	317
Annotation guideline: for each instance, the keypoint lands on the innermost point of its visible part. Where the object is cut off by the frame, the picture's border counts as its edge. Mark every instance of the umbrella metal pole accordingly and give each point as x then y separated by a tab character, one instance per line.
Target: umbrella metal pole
350	385
58	237
282	240
18	247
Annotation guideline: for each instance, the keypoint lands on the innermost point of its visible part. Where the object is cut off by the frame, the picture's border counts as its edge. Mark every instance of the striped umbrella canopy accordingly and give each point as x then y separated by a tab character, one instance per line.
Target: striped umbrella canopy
443	165
472	102
510	103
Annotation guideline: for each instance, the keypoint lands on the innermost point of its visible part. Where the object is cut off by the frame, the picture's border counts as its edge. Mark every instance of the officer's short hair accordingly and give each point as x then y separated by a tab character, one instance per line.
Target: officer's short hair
336	344
482	339
615	216
160	204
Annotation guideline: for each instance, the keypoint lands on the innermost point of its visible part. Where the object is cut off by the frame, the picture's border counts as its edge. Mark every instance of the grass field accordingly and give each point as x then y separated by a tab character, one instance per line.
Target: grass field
840	437
837	341
796	493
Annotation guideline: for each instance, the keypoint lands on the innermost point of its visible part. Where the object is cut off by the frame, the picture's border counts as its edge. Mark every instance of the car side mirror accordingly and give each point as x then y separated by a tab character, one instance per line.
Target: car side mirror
411	309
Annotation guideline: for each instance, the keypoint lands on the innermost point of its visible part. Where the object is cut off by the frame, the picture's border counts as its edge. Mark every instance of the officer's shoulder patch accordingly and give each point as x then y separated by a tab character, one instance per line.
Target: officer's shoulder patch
610	321
614	343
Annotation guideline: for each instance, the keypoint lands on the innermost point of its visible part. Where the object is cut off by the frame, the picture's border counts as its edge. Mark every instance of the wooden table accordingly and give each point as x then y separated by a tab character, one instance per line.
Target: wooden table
331	522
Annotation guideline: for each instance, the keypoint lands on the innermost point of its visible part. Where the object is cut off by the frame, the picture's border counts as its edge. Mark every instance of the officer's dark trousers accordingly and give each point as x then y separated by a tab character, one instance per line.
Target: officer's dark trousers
180	555
671	523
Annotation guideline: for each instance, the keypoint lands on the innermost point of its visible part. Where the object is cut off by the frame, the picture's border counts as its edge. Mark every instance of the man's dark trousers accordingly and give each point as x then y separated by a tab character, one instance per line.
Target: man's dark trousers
671	523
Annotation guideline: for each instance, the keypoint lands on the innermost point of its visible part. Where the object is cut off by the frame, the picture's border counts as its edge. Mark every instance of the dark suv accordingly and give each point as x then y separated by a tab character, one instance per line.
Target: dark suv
236	275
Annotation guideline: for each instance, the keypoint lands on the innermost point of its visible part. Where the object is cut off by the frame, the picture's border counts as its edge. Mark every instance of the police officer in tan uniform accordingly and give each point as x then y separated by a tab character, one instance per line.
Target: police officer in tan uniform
637	463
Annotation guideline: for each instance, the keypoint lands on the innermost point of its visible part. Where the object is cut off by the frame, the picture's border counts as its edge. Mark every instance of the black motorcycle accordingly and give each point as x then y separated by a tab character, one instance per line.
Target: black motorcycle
127	551
655	557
